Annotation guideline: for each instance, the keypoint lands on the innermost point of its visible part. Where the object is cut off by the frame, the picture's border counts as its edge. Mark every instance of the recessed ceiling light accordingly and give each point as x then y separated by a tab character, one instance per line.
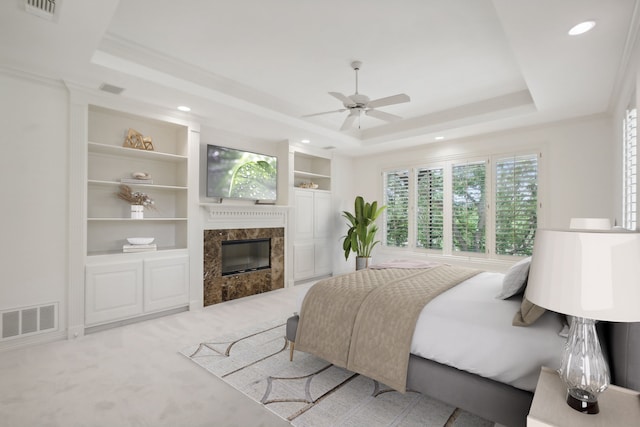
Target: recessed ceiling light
582	28
439	138
305	141
184	108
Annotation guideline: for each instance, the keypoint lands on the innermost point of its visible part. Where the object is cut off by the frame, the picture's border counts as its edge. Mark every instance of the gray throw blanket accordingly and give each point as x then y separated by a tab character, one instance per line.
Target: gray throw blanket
364	321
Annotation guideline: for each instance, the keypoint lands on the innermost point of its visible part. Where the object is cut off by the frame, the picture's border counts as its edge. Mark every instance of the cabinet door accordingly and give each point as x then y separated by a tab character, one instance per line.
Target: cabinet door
113	291
303	260
166	283
322	253
322	215
304	215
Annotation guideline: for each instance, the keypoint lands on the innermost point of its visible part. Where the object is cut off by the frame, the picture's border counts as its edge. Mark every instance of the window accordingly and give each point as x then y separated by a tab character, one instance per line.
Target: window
630	169
516	204
430	208
468	207
464	206
396	215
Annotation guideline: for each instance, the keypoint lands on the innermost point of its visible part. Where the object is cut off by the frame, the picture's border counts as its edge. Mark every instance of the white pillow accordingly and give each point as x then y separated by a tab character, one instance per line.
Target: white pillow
515	280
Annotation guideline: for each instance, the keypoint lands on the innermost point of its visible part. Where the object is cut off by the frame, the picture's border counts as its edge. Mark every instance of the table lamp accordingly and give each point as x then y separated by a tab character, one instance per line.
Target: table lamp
591	275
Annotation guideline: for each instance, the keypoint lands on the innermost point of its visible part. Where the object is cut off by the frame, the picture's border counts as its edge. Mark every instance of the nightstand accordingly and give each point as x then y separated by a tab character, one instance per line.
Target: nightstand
619	406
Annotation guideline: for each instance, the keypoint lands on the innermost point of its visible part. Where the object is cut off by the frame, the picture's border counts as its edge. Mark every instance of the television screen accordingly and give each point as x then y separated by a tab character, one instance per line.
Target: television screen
238	174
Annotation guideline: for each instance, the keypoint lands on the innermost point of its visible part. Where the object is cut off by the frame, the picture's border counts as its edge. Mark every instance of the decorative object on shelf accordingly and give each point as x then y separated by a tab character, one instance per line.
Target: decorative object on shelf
592	275
362	231
137	200
135	139
140	240
311	185
138	178
137	212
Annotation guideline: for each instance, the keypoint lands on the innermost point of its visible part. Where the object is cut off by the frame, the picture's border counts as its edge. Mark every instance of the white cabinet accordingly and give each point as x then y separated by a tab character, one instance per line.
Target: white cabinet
312	243
119	288
121	285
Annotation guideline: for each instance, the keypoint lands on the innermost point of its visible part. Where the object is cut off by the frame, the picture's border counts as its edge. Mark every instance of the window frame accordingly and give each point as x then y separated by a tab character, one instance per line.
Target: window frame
630	169
490	191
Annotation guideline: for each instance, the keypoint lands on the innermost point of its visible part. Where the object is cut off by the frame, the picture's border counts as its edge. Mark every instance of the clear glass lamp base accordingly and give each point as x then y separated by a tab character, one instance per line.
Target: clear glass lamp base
584	370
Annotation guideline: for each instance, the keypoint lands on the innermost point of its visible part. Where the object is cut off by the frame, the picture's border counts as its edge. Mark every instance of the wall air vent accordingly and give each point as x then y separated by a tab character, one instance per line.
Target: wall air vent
106	87
41	8
24	321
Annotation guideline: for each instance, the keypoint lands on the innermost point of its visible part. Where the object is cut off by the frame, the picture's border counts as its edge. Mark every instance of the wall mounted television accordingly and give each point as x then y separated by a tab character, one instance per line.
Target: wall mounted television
239	174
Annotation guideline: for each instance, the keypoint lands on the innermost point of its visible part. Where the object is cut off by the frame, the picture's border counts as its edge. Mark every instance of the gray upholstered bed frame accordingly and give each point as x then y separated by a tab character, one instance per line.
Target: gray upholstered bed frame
503	403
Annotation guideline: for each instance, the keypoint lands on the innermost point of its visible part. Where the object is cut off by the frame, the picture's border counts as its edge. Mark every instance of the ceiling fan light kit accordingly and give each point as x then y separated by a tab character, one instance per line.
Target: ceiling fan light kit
358	103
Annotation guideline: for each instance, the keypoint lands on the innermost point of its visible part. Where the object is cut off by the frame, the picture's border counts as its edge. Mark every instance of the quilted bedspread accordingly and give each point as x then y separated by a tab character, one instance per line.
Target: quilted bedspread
364	321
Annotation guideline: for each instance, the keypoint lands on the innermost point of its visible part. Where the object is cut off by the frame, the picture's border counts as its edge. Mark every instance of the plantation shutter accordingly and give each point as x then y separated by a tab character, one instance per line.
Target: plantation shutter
396	215
516	203
630	170
430	208
469	207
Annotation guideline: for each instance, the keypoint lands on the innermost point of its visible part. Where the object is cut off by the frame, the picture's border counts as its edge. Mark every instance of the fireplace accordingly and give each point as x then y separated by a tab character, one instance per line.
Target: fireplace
242	262
241	256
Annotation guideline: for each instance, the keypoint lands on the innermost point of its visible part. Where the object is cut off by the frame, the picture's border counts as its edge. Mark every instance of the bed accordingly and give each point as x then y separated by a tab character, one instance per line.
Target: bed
475	359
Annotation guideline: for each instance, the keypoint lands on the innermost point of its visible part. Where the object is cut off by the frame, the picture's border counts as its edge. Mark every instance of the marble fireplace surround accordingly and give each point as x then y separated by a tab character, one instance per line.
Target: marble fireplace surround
230	224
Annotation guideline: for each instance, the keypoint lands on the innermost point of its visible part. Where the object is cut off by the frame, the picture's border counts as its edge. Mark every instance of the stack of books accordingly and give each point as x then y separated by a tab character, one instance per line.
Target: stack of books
139	248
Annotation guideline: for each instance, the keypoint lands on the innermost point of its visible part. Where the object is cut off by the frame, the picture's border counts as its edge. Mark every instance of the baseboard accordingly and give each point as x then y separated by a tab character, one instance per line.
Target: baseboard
29	341
125	322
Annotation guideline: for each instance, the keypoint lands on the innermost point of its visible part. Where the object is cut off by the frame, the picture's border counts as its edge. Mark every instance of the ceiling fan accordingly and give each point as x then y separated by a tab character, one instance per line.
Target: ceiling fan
358	103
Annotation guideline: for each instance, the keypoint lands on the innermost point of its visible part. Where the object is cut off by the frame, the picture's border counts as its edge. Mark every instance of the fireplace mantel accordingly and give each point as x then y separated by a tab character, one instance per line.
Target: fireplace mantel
216	216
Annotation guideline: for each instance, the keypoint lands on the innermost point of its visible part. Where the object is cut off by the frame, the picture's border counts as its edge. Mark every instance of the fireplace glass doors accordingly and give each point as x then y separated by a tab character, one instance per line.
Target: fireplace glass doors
241	256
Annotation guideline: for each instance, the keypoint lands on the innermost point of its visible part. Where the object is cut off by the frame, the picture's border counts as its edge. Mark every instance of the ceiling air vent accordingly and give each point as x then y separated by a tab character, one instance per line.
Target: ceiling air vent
111	88
42	8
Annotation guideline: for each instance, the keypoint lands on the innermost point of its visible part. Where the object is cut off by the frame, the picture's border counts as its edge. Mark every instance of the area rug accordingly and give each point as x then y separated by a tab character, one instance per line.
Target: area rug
310	392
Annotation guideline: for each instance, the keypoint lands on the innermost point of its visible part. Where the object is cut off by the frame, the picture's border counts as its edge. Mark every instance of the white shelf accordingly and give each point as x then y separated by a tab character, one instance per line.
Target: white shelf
116	183
137	220
303	174
108	218
98	148
160	251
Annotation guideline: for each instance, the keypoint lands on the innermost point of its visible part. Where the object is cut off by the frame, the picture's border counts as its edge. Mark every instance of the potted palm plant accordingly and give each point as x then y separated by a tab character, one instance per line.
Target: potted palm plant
362	231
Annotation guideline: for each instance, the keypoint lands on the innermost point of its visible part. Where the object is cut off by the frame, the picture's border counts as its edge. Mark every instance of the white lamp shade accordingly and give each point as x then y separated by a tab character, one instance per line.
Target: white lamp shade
591	274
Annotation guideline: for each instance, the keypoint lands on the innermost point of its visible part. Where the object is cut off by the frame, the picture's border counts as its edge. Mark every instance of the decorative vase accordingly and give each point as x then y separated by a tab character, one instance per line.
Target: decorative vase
137	212
362	262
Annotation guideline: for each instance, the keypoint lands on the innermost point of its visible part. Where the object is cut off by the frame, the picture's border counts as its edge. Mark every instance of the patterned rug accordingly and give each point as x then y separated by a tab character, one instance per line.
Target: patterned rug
310	392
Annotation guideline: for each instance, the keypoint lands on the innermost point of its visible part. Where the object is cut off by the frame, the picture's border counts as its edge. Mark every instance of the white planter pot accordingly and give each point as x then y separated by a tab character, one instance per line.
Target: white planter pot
362	263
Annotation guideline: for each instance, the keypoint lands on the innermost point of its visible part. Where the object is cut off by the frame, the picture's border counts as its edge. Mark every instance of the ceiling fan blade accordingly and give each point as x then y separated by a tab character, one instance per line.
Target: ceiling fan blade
342	110
345	99
383	116
389	100
349	120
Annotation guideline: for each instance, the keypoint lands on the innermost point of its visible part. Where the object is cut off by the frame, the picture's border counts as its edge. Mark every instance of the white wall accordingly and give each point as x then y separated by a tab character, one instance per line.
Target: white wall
34	193
576	168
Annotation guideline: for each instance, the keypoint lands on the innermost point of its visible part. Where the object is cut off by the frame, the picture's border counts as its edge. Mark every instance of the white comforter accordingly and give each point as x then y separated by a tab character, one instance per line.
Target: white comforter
469	329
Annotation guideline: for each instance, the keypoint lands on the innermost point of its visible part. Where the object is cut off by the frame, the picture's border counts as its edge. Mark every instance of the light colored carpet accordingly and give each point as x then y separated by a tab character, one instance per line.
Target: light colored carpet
310	392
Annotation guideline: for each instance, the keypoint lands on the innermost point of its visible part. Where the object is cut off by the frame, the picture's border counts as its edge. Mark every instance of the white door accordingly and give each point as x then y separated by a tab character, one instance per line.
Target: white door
166	283
304	215
113	291
303	260
322	215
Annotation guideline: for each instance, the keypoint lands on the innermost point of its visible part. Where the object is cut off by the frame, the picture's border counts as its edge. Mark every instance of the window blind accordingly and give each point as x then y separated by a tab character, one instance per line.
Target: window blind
516	202
469	207
630	170
396	215
430	208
